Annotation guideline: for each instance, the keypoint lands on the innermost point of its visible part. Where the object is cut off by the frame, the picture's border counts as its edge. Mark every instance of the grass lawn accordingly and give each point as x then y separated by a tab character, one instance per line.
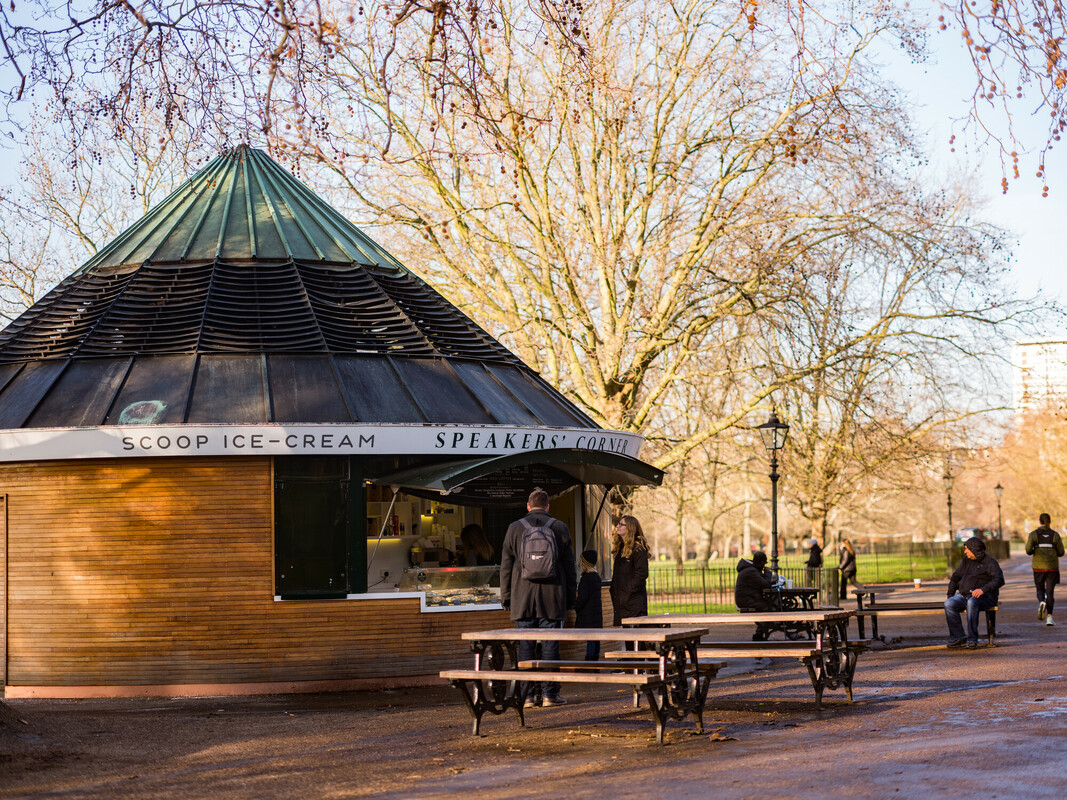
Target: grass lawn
870	568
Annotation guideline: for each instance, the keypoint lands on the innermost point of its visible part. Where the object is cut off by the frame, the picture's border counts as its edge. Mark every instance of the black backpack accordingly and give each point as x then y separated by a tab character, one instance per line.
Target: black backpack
537	555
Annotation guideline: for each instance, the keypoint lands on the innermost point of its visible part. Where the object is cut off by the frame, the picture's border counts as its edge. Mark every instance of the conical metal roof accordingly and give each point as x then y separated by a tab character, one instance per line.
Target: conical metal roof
244	298
242	207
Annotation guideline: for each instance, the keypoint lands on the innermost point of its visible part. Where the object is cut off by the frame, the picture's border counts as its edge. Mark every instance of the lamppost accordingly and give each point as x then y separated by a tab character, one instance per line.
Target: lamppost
947	478
773	433
998	490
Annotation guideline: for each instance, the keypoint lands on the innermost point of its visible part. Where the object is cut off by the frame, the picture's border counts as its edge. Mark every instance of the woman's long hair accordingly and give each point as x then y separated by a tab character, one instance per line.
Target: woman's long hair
845	543
473	538
630	540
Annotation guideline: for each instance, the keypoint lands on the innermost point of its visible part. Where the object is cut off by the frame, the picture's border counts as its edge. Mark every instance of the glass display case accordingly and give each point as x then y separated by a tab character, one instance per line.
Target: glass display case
454	586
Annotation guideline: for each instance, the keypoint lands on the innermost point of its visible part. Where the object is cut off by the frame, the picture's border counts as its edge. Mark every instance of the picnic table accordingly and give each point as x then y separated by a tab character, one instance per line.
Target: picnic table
907	600
829	656
797	598
668	673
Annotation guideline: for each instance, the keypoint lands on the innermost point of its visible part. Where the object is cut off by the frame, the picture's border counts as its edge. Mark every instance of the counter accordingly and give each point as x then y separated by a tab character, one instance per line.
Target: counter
454	587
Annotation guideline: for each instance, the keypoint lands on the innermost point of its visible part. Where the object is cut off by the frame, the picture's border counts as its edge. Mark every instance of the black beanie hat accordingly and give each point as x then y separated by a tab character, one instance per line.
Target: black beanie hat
759	558
975	545
589	558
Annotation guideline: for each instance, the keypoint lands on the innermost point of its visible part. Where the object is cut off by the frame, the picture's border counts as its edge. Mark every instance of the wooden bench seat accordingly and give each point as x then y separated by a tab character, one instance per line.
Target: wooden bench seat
746	649
904	609
825	667
593	667
524	674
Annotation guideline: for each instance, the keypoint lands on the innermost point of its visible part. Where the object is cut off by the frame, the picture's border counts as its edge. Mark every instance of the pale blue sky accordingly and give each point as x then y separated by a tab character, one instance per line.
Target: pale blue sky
942	88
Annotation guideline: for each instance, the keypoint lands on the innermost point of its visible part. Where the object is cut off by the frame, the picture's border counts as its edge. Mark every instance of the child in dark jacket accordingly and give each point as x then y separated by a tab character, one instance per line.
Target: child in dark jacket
588	606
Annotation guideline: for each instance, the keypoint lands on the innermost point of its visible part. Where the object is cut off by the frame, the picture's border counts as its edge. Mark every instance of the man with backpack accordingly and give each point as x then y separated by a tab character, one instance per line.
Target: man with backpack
1046	546
538	583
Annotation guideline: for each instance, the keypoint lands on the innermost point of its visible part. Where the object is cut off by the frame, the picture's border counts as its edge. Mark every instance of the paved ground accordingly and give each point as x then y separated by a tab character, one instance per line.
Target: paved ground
927	722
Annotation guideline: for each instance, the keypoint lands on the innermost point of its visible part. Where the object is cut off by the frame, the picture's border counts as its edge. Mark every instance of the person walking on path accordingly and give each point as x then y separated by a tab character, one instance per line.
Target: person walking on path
974	586
629	572
589	607
1046	546
847	566
537	583
814	562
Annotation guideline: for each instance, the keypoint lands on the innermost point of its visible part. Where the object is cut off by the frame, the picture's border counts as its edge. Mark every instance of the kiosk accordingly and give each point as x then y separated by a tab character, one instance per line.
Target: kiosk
239	445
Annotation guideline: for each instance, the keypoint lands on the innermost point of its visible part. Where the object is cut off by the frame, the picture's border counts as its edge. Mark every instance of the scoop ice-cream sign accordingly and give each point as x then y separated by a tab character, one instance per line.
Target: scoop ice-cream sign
139	439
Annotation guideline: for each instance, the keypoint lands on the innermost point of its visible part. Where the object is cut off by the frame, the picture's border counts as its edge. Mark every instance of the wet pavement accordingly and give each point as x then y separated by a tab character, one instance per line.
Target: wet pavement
927	722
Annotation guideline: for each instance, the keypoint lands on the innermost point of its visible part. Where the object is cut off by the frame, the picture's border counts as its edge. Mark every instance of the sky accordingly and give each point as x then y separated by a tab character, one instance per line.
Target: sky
941	89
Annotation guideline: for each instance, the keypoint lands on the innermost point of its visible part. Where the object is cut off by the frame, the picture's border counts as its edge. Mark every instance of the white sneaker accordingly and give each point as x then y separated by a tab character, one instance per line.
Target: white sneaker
1048	620
1041	610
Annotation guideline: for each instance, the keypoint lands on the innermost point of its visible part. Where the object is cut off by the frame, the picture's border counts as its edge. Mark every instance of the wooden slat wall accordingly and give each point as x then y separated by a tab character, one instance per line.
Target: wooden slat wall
159	571
3	592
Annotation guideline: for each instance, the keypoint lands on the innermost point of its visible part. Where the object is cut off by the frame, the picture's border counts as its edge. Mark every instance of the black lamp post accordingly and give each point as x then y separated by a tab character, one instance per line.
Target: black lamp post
773	433
998	490
947	478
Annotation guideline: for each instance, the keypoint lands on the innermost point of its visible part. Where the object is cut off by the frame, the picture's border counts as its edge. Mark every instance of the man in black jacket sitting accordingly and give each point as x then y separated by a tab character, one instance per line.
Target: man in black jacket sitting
974	586
752	579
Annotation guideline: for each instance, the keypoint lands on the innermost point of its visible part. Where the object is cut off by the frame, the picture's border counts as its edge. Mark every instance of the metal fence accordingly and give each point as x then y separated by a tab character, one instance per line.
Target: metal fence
697	588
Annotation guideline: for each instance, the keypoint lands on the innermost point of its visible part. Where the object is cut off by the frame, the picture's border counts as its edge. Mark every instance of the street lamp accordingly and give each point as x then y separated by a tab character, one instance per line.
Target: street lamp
773	433
998	490
947	478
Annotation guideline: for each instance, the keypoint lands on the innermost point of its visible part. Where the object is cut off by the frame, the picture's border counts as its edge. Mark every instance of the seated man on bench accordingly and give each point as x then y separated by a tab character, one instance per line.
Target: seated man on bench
974	586
752	578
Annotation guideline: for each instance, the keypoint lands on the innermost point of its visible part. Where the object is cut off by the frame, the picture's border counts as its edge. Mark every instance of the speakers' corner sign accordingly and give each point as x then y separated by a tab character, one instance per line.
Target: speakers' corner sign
122	441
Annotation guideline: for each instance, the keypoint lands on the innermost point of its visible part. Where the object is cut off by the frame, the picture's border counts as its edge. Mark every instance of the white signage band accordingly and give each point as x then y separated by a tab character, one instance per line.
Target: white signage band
132	441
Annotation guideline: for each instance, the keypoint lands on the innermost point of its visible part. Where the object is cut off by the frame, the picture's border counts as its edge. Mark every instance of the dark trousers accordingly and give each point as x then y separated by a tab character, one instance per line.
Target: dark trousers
763	629
956	605
1046	588
549	652
592	651
847	578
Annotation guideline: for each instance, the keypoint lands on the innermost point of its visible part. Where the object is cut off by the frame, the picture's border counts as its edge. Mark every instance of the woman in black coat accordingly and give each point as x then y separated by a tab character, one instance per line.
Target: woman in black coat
847	565
629	571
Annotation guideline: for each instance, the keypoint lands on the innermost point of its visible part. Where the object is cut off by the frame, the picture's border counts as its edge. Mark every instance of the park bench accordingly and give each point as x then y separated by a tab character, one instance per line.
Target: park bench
840	660
905	602
829	656
671	677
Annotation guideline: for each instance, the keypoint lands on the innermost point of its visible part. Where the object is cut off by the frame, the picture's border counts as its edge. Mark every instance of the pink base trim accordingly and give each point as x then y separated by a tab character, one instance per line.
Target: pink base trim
216	689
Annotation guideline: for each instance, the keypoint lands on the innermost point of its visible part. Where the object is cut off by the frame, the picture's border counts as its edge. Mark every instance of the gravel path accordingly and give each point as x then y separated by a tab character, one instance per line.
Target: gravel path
927	722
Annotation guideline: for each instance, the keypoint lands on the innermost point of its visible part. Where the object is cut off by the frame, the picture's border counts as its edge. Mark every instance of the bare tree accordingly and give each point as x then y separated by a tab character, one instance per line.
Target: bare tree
664	194
622	197
904	319
1020	68
227	68
68	205
26	268
1034	459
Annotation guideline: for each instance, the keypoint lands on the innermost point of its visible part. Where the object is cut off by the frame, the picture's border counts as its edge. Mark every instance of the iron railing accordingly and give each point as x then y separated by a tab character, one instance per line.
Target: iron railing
696	588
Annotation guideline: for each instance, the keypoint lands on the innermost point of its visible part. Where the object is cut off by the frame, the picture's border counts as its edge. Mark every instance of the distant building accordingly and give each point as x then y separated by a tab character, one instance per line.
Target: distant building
1040	373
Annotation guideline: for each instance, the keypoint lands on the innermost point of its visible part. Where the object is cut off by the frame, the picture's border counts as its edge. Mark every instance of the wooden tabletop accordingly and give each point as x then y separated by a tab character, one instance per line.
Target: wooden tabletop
587	634
834	615
794	590
902	588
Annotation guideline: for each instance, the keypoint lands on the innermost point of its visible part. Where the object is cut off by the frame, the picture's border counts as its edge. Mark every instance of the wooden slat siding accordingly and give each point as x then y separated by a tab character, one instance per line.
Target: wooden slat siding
160	571
3	593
